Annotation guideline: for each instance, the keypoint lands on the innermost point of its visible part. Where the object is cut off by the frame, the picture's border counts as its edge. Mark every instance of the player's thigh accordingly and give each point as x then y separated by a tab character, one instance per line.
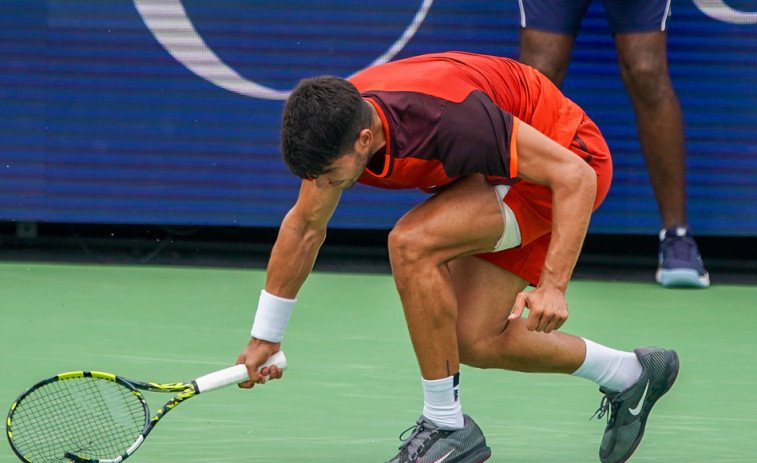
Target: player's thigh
485	296
464	218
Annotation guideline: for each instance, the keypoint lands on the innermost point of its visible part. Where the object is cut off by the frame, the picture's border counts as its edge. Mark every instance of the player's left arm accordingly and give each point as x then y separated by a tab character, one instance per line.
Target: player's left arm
574	184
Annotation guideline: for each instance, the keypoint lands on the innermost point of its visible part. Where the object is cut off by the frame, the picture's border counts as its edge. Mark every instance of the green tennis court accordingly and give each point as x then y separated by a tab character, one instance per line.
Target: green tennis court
353	384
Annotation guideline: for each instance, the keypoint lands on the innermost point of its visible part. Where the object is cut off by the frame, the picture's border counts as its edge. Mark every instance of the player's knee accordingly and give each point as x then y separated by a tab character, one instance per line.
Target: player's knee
406	246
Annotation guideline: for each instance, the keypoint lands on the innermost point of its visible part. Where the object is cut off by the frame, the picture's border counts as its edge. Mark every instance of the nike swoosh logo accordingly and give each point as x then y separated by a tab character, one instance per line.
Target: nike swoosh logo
636	410
444	457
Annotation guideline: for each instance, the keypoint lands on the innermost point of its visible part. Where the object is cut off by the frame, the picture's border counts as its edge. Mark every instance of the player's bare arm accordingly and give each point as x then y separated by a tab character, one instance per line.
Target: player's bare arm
301	235
573	183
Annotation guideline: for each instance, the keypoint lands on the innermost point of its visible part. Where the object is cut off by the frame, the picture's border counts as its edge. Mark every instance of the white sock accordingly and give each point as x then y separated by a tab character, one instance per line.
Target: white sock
441	404
612	369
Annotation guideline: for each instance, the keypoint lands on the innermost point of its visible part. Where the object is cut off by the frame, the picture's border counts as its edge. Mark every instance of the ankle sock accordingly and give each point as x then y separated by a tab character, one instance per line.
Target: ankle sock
612	369
441	404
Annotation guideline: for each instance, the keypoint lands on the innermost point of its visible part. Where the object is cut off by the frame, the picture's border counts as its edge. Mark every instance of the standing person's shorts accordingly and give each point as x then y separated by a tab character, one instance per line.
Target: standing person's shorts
565	16
531	204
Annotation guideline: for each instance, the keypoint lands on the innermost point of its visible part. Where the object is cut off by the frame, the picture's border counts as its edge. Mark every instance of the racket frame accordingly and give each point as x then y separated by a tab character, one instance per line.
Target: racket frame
185	390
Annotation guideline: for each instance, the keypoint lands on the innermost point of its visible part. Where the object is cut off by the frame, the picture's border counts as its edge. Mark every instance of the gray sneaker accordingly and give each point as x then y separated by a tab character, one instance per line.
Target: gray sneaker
430	444
629	409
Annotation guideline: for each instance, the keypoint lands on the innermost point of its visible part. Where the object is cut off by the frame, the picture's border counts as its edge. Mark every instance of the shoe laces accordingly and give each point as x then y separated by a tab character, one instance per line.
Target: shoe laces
608	404
414	443
682	247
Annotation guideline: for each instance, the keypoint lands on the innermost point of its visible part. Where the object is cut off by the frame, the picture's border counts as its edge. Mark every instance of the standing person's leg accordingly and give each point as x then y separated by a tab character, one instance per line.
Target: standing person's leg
644	69
548	52
641	41
547	34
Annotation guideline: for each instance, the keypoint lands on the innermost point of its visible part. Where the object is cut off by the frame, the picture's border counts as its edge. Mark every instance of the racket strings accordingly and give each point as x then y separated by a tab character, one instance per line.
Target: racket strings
89	417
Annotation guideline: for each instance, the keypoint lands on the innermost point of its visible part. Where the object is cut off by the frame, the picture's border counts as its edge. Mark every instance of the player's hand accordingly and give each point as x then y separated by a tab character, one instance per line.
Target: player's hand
253	356
547	308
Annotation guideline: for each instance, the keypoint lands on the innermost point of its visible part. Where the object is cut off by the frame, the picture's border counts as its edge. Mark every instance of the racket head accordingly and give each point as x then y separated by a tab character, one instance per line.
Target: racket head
93	415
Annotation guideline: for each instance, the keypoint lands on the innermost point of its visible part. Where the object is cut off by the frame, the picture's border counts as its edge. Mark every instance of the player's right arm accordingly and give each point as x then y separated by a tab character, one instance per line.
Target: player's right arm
300	237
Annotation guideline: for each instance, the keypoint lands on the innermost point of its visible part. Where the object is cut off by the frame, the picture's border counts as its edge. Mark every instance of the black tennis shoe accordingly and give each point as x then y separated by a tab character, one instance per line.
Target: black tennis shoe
629	409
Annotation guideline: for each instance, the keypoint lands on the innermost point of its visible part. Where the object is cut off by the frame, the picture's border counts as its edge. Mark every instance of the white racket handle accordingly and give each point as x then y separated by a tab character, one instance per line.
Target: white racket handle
235	374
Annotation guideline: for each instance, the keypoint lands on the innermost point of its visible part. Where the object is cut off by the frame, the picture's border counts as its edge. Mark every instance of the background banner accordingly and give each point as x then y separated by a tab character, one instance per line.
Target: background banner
168	111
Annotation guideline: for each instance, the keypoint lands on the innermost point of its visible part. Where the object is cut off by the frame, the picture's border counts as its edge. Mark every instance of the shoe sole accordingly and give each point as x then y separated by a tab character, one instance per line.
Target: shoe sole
668	385
682	278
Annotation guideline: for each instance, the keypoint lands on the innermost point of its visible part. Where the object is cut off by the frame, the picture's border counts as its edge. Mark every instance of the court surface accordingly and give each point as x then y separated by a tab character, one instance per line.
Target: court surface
353	384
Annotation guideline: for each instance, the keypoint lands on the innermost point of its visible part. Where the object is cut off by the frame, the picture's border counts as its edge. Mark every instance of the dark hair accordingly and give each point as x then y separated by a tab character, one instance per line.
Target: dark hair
322	119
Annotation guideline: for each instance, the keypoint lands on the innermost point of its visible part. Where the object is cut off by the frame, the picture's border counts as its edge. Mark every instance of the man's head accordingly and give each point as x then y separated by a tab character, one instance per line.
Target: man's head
323	118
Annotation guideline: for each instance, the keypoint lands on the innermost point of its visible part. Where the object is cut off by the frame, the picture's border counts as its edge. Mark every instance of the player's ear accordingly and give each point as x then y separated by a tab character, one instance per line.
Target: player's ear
364	139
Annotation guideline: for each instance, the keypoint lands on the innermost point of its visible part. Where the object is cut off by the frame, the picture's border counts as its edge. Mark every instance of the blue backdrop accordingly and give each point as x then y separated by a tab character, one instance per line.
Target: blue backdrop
167	111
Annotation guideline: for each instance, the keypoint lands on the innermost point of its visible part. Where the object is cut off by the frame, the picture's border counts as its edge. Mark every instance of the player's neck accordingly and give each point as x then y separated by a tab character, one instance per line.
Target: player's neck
377	129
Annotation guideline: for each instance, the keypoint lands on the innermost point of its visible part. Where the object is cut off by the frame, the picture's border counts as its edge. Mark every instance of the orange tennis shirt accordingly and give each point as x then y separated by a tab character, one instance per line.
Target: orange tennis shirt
451	114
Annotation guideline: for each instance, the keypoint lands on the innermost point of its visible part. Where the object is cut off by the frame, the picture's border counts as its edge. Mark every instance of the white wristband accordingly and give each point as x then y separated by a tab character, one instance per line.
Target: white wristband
272	317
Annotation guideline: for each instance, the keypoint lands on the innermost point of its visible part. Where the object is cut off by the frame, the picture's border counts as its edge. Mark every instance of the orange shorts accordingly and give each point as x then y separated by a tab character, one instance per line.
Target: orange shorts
532	206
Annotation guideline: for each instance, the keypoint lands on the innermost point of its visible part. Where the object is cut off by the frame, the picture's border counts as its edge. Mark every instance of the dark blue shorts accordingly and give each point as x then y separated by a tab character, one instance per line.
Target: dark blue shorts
565	16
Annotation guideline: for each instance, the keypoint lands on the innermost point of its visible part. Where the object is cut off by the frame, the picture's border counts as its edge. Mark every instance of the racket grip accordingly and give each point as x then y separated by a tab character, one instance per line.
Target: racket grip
235	374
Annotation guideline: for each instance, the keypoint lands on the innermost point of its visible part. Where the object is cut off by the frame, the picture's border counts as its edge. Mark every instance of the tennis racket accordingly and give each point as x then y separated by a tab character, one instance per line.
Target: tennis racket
94	417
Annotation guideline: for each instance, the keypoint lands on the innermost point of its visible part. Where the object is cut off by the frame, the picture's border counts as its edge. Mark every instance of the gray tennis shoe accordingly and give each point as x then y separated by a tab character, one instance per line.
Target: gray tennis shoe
430	444
629	409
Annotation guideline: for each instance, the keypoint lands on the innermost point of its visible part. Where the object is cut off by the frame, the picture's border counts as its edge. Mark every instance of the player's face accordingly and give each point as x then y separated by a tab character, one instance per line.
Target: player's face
344	172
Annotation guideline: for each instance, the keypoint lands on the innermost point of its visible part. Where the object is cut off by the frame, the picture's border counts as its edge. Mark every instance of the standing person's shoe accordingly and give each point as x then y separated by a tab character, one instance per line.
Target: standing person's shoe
680	263
429	444
629	409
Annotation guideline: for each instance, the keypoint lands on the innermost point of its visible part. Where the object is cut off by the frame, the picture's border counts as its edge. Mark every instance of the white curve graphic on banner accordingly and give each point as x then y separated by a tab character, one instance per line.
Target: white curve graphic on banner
169	23
718	9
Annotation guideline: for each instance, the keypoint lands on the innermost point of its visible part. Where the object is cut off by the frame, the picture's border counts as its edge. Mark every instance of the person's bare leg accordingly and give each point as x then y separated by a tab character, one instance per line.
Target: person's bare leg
463	219
546	51
644	68
428	249
486	294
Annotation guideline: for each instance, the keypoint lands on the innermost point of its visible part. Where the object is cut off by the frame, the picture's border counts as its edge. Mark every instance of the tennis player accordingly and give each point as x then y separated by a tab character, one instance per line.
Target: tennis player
514	170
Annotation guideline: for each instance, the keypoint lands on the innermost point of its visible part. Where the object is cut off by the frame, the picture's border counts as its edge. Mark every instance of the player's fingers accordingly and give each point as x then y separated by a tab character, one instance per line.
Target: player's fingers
548	319
548	325
267	373
249	383
246	385
533	321
518	307
275	372
252	371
